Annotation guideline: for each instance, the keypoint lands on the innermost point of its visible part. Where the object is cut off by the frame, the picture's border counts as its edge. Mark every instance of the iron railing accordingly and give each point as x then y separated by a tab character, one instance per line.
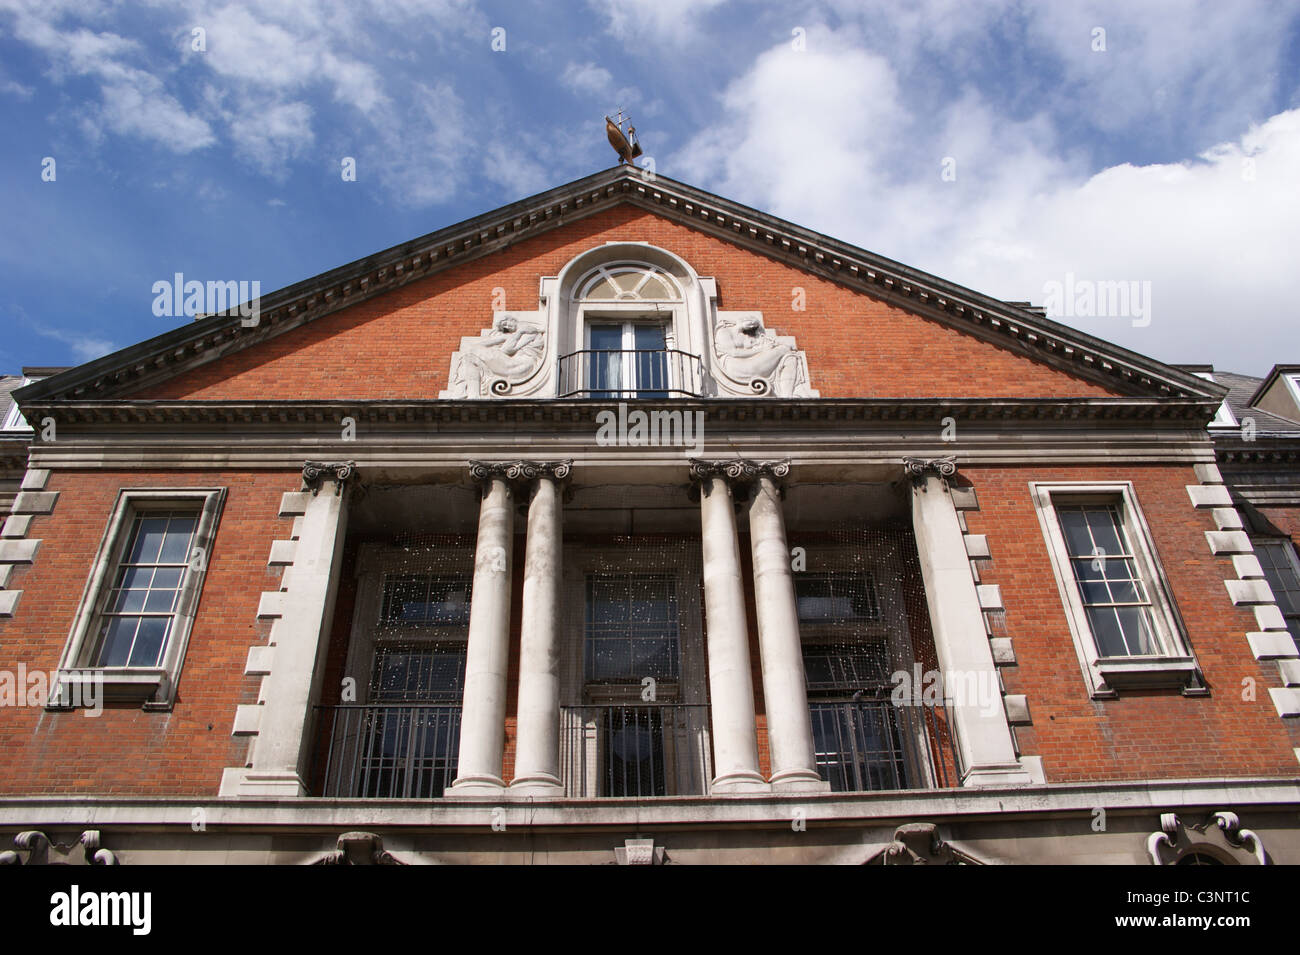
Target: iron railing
650	749
872	744
629	373
391	750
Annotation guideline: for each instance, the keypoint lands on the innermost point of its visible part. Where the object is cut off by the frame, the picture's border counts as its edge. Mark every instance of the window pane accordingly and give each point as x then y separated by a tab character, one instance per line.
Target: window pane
149	537
116	645
1074	524
631	628
149	641
1104	523
1107	632
176	548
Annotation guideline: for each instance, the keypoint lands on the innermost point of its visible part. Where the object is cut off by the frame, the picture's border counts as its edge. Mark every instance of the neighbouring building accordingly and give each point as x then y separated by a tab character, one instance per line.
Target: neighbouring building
628	524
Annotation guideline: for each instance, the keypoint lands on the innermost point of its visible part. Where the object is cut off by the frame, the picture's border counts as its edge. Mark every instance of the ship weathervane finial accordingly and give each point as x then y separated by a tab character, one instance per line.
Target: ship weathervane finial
624	143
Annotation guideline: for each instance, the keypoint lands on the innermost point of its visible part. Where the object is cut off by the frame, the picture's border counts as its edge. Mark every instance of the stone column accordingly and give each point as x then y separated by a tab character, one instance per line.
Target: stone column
302	611
960	639
735	741
537	753
483	709
789	724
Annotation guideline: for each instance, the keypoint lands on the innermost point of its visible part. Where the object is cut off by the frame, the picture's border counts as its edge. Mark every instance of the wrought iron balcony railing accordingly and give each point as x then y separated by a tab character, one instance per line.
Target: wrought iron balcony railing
651	749
391	750
871	744
629	373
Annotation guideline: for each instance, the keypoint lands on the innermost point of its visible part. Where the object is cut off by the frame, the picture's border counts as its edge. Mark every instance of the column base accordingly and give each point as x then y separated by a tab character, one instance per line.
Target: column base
537	784
241	781
740	783
482	785
799	781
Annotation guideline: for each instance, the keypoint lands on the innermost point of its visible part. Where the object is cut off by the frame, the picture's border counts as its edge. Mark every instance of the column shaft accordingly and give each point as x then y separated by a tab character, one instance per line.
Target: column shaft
537	754
483	711
789	724
735	742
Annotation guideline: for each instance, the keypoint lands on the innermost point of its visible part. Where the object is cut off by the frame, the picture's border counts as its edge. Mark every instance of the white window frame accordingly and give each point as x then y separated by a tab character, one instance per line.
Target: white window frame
1176	664
155	687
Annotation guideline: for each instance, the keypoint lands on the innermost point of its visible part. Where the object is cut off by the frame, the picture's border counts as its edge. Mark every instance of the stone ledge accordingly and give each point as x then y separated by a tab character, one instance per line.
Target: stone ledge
1274	645
1249	592
34	502
35	479
9	602
1229	542
18	551
1017	705
282	552
977	545
16	525
1287	702
1227	518
1247	567
271	605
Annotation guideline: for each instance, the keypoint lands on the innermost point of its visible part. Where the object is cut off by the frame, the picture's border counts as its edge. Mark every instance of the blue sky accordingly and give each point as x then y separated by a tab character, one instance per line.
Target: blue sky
1163	150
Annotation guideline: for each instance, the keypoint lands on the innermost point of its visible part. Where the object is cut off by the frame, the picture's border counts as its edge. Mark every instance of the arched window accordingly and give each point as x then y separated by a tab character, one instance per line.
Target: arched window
628	313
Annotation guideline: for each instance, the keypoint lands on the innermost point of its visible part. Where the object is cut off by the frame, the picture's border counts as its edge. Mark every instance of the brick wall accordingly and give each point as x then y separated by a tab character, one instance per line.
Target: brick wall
1143	734
125	749
399	345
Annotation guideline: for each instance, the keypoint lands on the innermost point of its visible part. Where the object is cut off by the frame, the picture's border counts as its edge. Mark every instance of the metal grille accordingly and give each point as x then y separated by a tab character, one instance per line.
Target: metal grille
869	745
631	628
391	750
655	749
629	373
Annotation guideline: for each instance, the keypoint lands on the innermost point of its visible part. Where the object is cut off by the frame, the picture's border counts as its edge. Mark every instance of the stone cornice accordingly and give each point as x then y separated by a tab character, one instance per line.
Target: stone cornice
396	415
1010	326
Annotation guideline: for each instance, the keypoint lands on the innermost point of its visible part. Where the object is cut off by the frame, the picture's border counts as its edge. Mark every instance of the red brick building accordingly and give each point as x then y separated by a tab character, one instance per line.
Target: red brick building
626	522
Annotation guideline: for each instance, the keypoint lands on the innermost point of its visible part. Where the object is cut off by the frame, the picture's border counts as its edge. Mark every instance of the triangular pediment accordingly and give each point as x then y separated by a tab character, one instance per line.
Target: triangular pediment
927	321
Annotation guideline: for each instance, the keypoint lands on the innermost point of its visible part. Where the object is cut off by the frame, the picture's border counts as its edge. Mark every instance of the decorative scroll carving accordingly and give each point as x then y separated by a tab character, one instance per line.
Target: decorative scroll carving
1219	838
919	468
520	470
501	360
38	846
359	848
753	360
313	472
738	469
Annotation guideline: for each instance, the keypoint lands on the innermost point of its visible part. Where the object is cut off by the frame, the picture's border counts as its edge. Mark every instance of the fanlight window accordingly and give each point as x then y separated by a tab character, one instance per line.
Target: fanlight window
630	283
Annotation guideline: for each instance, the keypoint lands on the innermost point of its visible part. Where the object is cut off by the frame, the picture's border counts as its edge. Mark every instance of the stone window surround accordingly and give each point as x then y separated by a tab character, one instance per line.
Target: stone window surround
155	687
1177	666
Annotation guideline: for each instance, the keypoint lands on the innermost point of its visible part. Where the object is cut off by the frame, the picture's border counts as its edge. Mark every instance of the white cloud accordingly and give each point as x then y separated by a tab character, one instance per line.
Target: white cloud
588	78
828	139
134	101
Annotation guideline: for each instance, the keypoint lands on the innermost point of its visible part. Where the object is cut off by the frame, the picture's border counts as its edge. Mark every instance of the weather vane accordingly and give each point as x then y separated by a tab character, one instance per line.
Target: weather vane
625	144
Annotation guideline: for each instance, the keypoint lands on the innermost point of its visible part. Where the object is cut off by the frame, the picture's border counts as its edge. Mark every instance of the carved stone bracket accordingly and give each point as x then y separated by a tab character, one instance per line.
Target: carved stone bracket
519	470
359	848
639	852
313	472
919	843
38	846
1220	838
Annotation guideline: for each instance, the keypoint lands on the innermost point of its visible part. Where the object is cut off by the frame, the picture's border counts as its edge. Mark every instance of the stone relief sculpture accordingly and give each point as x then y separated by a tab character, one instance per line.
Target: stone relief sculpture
757	361
500	359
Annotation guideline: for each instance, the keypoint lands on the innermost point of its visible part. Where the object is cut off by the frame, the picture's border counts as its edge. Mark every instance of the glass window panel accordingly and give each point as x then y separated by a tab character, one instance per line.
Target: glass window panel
1137	631
1074	525
1104	523
1107	632
127	601
149	641
176	546
160	601
168	577
149	536
116	644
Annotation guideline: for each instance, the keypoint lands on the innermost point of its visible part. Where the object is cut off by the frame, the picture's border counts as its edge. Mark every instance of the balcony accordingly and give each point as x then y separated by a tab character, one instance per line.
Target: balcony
629	373
390	750
870	744
653	749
